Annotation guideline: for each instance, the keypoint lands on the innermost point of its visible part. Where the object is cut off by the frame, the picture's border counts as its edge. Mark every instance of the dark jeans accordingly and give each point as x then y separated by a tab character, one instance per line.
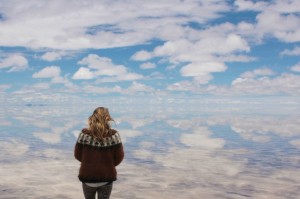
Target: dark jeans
103	192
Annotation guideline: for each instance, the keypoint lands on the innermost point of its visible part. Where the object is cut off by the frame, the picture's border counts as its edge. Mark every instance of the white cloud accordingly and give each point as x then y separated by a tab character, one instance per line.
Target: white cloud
53	73
39	94
124	77
156	75
283	6
148	65
248	31
203	78
48	72
250	5
222	43
284	83
41	86
197	69
205	50
288	31
269	13
83	73
173	49
235	58
201	71
94	61
53	55
136	87
181	86
101	90
104	67
65	81
238	80
142	55
296	68
14	63
293	52
258	72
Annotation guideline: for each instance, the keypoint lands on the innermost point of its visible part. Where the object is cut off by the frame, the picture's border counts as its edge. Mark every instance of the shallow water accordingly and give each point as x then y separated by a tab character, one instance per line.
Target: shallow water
169	153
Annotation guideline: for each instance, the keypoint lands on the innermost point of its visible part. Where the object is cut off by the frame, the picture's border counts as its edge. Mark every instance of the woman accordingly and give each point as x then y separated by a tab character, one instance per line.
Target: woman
100	150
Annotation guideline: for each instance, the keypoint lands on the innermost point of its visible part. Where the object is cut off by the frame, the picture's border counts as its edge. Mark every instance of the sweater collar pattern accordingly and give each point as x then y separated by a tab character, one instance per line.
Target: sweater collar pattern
86	139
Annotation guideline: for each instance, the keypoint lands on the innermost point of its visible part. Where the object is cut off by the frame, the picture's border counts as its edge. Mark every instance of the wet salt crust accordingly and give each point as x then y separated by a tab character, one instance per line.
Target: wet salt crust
173	155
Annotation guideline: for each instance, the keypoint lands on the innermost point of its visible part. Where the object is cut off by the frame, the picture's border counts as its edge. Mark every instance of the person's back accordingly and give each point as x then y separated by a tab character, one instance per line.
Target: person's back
100	150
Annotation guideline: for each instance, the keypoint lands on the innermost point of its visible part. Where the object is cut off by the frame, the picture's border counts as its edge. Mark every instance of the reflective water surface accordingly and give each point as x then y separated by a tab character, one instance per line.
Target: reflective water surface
169	153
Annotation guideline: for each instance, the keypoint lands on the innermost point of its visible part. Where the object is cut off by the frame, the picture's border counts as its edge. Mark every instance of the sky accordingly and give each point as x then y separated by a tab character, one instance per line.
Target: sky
64	51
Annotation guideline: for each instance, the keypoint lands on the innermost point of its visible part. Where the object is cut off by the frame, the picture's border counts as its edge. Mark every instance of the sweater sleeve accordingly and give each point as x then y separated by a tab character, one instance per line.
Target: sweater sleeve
119	154
78	150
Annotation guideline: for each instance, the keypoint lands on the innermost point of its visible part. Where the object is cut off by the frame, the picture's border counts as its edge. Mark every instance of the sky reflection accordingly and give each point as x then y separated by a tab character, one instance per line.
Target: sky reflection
168	155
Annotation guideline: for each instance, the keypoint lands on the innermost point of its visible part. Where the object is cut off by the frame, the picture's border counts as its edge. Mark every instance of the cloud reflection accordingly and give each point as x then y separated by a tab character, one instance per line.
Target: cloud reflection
54	136
296	143
170	156
201	139
13	147
40	179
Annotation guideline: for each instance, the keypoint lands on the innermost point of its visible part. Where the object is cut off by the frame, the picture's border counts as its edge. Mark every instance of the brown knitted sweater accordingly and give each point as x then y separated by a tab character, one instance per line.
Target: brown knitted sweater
98	157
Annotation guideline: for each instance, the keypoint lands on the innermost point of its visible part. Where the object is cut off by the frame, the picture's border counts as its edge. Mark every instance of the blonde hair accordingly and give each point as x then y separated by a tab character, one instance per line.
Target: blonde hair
99	122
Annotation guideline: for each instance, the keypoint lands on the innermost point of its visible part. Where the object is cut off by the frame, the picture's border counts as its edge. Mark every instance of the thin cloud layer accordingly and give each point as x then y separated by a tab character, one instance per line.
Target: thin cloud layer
96	24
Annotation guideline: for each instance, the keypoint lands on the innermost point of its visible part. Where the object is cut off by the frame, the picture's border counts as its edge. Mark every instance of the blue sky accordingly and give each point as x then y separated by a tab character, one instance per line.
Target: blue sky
69	50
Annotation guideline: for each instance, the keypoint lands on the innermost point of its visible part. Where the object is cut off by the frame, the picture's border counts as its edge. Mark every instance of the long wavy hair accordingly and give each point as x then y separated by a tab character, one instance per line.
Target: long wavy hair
99	123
